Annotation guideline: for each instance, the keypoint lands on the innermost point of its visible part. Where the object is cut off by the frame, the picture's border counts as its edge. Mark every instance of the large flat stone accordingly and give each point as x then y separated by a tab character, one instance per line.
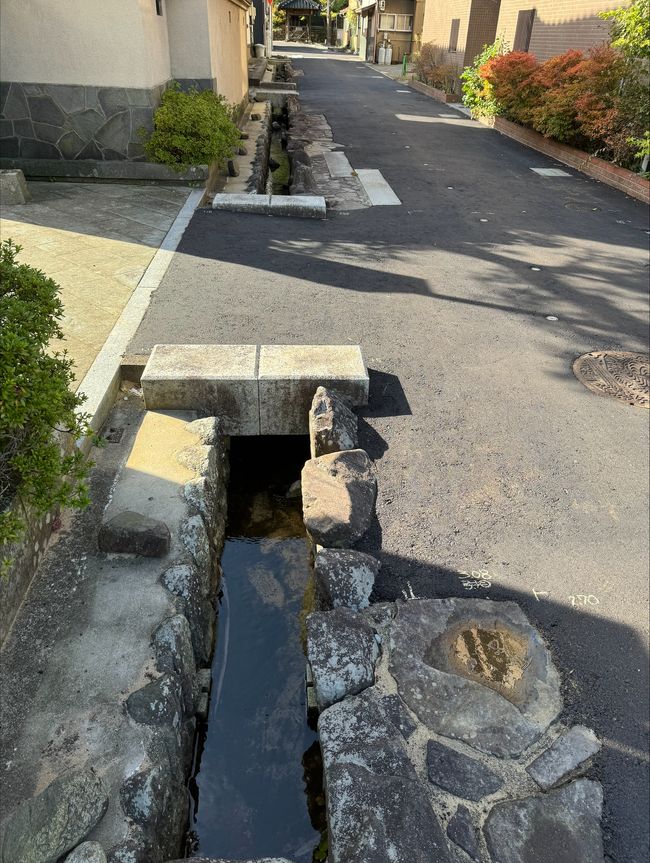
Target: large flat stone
476	671
377	808
568	755
87	852
52	823
338	497
289	375
562	826
342	651
218	379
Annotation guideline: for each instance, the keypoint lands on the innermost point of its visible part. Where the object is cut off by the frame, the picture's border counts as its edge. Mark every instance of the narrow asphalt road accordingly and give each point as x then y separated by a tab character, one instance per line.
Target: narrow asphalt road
492	457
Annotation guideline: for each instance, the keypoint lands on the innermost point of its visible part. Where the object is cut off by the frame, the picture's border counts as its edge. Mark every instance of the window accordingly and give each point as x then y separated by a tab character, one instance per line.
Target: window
453	34
524	30
159	7
397	23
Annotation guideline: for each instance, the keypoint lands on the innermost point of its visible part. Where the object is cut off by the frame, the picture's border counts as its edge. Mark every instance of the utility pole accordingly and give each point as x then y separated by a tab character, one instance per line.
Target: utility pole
327	24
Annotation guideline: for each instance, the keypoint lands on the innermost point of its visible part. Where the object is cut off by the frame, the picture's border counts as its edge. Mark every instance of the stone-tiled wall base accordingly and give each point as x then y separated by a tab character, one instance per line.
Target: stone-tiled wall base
65	121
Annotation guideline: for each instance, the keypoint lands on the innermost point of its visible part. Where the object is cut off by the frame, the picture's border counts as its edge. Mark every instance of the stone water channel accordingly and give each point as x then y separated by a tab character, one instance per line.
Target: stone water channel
256	787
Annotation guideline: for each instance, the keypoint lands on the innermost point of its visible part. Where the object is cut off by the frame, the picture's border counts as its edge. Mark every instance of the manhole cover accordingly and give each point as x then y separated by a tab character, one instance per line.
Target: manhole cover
620	374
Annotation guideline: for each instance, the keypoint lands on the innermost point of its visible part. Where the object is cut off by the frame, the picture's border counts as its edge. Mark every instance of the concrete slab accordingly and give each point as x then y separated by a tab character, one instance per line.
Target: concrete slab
218	379
305	206
239	202
289	375
338	164
377	189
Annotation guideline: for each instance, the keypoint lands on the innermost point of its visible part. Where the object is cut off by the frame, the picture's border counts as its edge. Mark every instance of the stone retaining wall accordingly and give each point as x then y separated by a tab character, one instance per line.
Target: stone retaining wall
117	750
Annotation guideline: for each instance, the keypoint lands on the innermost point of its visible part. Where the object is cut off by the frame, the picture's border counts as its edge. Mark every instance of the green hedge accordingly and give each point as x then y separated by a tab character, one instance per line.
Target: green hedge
36	400
191	128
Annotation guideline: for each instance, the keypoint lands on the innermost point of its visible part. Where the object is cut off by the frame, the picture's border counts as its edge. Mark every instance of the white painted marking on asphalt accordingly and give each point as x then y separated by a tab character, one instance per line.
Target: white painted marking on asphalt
338	165
456	121
404	91
377	189
551	172
551	318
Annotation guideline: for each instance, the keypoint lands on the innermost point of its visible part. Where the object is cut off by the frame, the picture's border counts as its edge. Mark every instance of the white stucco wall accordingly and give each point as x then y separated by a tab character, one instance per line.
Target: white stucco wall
120	43
189	38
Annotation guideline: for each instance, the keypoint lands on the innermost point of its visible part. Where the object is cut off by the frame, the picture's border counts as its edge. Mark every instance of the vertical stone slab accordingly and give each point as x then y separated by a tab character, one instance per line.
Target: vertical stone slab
289	375
218	379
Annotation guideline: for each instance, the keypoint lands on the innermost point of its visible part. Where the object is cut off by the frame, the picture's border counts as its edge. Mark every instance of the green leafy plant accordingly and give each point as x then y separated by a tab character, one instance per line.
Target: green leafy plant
191	128
631	29
36	401
477	91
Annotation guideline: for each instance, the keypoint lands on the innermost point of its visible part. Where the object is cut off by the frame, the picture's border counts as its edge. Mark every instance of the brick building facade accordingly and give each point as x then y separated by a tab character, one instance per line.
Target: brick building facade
460	28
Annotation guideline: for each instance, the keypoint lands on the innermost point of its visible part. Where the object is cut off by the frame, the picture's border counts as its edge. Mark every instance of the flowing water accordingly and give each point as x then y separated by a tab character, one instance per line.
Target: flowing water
257	786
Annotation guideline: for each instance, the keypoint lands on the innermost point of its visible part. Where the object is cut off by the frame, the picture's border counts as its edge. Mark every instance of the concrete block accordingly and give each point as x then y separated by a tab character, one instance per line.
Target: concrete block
241	202
217	379
289	375
305	206
13	188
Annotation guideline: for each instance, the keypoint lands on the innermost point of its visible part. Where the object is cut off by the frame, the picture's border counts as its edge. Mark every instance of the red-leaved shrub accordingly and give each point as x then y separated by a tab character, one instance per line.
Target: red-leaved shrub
596	101
511	77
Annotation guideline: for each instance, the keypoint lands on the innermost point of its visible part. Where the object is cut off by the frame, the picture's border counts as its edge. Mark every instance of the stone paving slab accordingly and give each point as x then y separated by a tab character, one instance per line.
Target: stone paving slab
96	241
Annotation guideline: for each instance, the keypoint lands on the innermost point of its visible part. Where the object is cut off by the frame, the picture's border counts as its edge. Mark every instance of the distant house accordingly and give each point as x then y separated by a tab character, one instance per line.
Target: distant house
387	22
82	77
460	28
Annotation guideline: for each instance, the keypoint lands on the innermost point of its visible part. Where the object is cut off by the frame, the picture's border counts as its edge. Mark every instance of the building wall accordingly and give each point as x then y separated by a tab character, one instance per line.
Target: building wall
559	24
87	79
85	42
436	27
189	40
228	24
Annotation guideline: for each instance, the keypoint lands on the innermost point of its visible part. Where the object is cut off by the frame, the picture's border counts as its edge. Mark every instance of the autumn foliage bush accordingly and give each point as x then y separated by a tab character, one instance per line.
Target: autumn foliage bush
596	101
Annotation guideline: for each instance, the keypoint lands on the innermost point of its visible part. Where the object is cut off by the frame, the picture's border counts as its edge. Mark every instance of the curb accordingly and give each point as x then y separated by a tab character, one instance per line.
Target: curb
306	206
102	380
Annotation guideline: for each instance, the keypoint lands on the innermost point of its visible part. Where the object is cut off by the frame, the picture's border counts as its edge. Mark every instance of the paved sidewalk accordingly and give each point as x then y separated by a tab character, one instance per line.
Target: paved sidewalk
96	241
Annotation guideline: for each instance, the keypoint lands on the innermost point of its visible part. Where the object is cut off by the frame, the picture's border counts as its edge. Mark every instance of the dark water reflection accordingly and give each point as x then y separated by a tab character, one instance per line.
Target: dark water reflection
259	763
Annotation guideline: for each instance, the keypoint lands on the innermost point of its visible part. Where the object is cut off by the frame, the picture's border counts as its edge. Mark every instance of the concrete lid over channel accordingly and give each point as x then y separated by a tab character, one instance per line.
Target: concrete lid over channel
253	390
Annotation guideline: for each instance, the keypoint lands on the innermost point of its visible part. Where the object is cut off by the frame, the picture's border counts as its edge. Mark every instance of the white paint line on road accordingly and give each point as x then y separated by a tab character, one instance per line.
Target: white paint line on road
404	91
102	379
377	189
551	172
337	164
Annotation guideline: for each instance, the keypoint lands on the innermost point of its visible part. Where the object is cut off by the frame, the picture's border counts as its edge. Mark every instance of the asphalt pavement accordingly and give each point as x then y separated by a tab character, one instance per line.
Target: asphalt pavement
493	459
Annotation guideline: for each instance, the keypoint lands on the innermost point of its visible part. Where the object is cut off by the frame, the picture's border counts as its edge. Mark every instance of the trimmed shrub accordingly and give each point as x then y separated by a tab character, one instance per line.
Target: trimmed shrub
191	128
36	401
597	101
430	68
477	91
513	88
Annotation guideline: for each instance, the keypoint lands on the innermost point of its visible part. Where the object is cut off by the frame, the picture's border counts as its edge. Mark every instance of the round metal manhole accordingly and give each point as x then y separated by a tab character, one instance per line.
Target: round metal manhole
618	374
